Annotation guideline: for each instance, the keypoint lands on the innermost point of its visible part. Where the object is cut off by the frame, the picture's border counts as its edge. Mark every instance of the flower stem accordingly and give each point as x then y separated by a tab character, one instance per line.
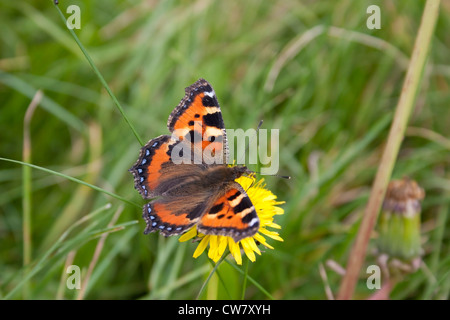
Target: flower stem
396	135
211	274
253	281
244	285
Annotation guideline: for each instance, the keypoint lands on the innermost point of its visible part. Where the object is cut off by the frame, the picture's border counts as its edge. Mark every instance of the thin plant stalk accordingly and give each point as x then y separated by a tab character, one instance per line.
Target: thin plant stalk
210	275
73	179
62	283
97	252
244	284
100	77
39	264
253	281
26	192
396	135
221	280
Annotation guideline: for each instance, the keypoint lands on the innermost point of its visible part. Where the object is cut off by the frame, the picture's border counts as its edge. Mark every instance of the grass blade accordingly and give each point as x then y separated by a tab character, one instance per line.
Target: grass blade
255	283
74	180
26	178
100	77
211	274
46	103
44	259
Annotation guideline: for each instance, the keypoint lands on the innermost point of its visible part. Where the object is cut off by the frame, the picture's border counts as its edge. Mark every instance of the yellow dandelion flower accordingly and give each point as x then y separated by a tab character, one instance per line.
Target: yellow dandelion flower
266	208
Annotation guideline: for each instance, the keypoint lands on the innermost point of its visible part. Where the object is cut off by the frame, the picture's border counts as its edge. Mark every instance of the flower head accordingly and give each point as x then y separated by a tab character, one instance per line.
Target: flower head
399	242
266	208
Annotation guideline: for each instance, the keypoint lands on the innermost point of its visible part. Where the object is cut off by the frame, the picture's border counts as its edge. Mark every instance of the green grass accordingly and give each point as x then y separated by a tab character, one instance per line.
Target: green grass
311	69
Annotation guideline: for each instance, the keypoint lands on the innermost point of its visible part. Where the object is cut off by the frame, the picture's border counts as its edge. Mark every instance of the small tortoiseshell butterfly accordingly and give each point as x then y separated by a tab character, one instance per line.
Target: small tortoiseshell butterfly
202	193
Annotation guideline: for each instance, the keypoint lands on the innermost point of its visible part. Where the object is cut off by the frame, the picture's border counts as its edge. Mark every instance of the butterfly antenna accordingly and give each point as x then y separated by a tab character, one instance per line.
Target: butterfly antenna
259	125
276	175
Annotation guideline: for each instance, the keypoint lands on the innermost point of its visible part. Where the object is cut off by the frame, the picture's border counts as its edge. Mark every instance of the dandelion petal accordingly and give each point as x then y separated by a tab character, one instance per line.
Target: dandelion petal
201	246
188	235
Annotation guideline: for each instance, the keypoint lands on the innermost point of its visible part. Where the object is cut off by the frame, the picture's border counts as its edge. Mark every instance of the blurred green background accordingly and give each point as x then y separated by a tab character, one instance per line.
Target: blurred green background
309	68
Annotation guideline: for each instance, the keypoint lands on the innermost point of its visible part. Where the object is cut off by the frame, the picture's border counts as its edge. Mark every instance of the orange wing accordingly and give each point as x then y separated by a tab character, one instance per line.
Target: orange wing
154	172
232	215
198	119
164	216
147	169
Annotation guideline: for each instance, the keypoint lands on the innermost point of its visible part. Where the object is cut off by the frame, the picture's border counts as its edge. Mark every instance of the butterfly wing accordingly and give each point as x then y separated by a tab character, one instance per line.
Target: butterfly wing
172	215
232	214
178	206
148	168
155	173
198	119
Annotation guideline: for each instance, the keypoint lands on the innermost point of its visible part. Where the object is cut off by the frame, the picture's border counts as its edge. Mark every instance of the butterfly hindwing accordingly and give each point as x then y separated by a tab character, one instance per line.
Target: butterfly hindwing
232	215
159	216
173	215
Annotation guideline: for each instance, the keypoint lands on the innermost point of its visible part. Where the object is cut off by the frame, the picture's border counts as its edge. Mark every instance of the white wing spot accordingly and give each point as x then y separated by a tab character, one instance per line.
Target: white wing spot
210	93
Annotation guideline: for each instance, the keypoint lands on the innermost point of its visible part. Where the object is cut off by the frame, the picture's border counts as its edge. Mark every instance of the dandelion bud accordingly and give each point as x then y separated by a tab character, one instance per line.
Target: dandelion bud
399	224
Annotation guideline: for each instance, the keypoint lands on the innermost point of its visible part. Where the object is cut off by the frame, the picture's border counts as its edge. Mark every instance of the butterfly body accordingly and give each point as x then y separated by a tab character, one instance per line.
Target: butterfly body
202	193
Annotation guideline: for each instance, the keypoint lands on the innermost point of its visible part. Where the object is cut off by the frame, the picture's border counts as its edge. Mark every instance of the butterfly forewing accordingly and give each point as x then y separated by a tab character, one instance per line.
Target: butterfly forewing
198	119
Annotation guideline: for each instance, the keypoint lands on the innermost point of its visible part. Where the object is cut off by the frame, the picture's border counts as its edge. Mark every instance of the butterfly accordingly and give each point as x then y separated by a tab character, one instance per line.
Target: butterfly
200	190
